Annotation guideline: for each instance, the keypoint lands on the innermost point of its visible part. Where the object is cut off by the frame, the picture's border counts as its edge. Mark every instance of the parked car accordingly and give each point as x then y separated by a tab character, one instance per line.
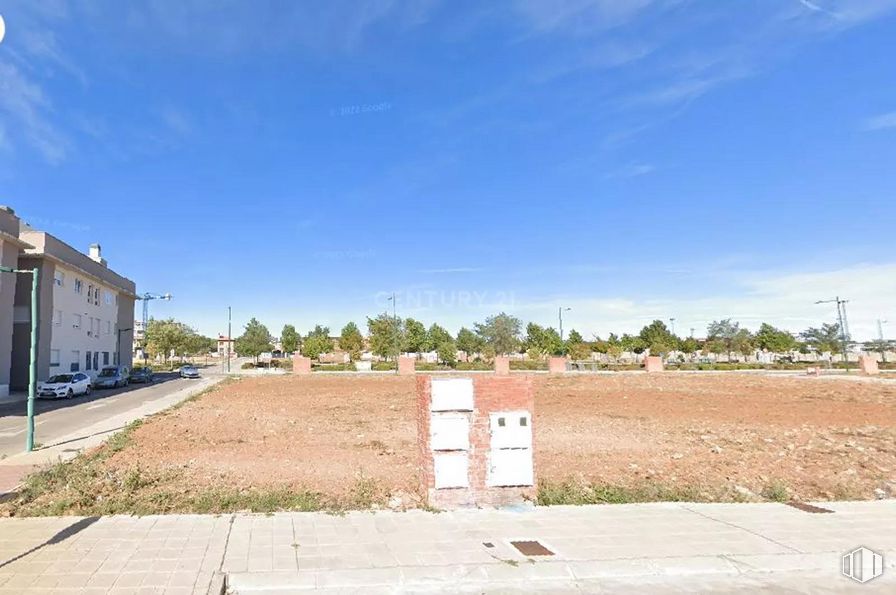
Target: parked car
189	372
142	375
112	377
64	386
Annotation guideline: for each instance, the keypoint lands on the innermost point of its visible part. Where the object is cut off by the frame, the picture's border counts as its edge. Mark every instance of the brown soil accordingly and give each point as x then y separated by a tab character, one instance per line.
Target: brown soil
822	438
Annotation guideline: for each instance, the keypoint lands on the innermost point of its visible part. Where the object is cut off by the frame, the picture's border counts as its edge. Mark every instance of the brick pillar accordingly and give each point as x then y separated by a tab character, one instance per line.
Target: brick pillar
557	365
513	395
653	363
502	365
406	365
301	364
868	365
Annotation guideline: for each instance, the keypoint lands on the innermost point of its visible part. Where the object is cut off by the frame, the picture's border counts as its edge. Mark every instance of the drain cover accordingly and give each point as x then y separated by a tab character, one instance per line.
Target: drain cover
807	507
531	548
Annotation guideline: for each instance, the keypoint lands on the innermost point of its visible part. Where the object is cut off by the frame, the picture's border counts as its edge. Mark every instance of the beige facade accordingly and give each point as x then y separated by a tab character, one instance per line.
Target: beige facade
85	310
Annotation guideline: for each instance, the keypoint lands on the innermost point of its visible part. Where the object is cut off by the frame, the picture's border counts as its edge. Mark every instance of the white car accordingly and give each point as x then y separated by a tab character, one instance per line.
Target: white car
64	386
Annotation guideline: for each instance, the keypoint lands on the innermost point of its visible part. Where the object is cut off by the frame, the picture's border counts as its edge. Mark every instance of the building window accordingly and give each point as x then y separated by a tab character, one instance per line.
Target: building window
54	358
59	278
105	358
115	359
57	317
89	293
96	360
87	361
76	321
76	361
108	327
107	297
78	287
96	296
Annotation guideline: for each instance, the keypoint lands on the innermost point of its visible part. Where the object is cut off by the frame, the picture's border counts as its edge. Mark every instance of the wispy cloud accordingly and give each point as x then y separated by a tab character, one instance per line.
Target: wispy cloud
633	170
780	298
880	122
450	270
28	109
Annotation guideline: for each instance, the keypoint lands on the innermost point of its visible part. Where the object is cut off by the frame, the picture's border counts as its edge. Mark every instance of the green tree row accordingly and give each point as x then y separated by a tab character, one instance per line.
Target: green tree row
503	334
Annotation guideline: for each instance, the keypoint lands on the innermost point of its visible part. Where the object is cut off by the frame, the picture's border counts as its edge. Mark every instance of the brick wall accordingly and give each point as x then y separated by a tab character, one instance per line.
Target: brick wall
557	365
406	365
653	363
502	365
868	365
301	364
491	394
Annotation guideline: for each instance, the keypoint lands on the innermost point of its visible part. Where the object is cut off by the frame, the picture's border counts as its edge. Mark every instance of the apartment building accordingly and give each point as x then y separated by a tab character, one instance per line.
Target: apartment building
86	310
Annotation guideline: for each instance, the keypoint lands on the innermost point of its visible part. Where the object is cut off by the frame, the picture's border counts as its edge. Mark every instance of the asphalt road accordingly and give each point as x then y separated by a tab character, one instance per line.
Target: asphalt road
55	419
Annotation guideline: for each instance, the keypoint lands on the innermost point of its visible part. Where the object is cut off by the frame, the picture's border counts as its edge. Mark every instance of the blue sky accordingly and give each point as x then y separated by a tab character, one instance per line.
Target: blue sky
300	161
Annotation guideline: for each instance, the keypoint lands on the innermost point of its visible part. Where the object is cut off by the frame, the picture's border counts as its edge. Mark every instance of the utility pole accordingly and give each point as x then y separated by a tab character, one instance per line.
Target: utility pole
560	312
229	340
146	298
880	340
844	328
32	364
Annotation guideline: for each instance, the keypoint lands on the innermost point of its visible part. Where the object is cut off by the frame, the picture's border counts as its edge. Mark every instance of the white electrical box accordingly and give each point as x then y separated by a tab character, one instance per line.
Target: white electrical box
451	470
510	467
452	394
510	429
450	431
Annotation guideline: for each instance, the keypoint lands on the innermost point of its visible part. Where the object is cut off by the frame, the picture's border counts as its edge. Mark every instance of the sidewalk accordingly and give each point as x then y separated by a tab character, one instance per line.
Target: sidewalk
639	547
14	468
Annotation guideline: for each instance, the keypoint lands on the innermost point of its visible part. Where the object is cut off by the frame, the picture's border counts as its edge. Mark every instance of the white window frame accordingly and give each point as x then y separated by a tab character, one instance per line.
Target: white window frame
57	318
54	358
76	321
79	287
59	278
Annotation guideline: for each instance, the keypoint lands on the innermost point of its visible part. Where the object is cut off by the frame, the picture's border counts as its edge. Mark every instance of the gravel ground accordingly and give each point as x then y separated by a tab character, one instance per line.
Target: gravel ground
728	436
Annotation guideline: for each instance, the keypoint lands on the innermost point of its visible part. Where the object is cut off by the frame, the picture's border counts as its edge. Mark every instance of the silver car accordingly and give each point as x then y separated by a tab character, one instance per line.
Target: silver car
189	372
112	377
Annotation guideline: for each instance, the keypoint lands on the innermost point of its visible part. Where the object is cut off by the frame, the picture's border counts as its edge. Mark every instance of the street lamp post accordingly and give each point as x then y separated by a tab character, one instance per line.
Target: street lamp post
32	364
146	298
672	323
880	340
844	329
560	312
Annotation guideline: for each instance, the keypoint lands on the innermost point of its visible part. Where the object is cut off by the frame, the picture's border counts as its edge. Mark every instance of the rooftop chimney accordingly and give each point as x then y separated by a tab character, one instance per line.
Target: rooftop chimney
96	254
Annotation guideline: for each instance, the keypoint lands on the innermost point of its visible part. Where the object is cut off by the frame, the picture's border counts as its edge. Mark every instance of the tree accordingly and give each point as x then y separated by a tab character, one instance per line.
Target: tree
289	339
689	345
542	341
500	332
722	331
164	337
385	335
255	340
657	338
447	352
436	335
468	341
614	347
317	342
576	346
632	343
414	339
774	340
826	338
351	340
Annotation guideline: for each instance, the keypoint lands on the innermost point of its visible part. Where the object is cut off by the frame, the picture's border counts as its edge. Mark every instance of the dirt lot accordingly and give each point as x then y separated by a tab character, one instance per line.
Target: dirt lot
694	436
